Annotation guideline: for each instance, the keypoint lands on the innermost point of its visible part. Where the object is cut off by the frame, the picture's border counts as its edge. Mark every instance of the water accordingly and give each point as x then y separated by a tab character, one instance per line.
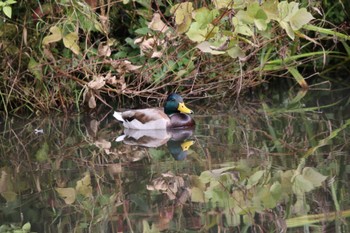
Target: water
258	166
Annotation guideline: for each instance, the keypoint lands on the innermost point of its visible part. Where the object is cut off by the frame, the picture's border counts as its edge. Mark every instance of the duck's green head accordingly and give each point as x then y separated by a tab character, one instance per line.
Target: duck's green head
175	104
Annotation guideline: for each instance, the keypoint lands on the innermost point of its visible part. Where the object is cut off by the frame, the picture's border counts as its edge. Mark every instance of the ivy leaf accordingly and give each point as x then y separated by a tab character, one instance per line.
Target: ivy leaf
56	35
70	42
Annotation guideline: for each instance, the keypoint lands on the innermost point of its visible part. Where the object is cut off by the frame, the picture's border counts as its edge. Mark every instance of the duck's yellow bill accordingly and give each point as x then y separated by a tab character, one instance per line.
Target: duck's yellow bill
182	108
186	145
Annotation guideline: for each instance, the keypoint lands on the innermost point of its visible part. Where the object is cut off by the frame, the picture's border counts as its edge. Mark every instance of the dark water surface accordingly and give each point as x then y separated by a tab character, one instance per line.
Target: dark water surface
278	165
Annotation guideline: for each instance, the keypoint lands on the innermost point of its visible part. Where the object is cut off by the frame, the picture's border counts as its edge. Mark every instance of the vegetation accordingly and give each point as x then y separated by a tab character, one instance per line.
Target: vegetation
64	54
250	171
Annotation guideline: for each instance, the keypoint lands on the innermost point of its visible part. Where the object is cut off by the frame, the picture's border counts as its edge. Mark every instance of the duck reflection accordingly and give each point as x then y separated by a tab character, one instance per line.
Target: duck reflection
177	140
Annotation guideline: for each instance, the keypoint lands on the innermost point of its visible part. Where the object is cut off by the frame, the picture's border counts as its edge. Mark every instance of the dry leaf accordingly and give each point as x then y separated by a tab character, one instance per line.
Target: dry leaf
124	66
157	24
97	83
104	50
92	102
157	54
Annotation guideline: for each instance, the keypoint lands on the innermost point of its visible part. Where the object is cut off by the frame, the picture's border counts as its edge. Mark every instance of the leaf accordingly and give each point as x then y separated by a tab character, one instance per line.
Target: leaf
220	4
300	18
157	24
255	178
68	194
205	47
197	195
183	15
298	77
42	154
97	83
26	227
235	52
83	186
288	29
196	34
70	42
313	176
104	50
35	68
276	190
204	16
242	28
92	102
307	181
56	35
7	11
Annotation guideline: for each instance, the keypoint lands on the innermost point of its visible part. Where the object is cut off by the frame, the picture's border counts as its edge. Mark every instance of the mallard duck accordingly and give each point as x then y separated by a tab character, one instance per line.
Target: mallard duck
174	115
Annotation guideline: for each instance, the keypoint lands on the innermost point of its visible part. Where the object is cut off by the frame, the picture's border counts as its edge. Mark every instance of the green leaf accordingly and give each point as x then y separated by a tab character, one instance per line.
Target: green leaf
7	11
9	2
35	68
242	28
220	4
26	227
307	181
298	77
276	190
83	186
56	35
196	34
235	52
68	194
255	178
288	29
197	195
313	176
204	16
300	18
42	154
70	42
142	31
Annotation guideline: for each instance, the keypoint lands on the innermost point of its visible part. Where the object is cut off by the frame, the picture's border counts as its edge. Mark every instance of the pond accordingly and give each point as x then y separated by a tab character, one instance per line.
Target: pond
278	165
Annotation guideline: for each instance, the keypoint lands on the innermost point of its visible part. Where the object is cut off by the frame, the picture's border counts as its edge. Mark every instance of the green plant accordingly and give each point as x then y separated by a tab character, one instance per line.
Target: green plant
6	8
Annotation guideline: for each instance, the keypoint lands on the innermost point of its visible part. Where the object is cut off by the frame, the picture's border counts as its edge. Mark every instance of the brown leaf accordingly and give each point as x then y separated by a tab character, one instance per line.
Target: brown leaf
97	83
157	24
104	50
92	102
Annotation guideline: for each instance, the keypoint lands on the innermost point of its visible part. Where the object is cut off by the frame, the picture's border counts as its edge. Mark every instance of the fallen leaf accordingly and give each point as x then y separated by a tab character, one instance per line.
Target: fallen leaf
97	83
104	50
92	101
157	24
